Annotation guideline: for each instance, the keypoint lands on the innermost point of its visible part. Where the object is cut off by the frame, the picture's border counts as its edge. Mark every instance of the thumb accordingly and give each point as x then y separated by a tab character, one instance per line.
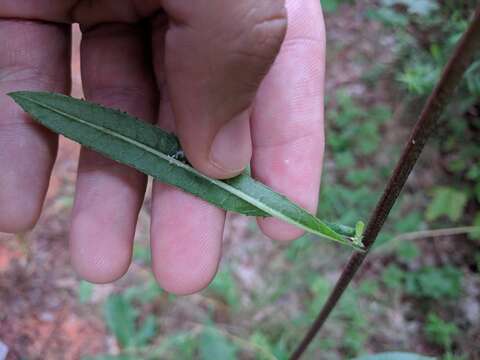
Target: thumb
216	55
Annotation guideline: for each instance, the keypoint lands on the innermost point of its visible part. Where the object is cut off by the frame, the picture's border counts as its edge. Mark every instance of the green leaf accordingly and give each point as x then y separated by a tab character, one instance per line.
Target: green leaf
225	286
447	202
419	78
408	250
120	318
145	292
409	222
179	345
84	291
434	282
320	287
214	345
387	16
261	342
329	5
394	356
439	331
393	276
472	75
142	254
332	5
152	151
146	332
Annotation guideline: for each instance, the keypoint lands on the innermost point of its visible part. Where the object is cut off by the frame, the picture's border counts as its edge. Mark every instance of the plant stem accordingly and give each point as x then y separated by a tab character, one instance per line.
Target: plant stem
425	234
459	62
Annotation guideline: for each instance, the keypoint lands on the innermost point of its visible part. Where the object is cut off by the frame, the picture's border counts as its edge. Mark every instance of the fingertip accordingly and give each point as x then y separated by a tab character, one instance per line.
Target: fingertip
97	273
279	230
20	216
186	240
181	270
97	269
178	284
91	253
24	181
182	274
230	150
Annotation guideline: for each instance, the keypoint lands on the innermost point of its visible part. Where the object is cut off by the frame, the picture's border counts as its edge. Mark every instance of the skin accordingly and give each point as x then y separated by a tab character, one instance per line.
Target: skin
240	82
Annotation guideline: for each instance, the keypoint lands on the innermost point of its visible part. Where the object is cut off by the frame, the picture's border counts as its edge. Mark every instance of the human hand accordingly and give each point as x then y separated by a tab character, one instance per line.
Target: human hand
200	68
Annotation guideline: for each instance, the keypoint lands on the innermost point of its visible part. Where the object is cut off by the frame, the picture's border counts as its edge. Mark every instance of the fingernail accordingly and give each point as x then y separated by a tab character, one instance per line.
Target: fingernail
231	149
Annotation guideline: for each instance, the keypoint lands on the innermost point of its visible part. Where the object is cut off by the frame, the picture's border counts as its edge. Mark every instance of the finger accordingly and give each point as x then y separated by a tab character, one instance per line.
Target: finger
116	72
186	240
287	121
34	56
186	232
217	53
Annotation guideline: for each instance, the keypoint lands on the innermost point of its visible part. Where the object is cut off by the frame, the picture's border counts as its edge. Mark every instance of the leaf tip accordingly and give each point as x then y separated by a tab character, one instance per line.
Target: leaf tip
14	94
18	93
18	96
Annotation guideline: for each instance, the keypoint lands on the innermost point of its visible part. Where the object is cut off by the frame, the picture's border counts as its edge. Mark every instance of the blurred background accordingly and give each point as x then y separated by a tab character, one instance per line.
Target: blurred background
419	290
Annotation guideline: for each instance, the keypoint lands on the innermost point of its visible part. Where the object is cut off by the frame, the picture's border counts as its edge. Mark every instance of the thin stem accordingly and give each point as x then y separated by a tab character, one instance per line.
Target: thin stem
424	234
451	77
437	234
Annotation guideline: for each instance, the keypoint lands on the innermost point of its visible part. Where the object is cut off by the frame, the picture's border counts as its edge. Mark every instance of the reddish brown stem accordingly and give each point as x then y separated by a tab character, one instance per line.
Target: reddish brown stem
443	92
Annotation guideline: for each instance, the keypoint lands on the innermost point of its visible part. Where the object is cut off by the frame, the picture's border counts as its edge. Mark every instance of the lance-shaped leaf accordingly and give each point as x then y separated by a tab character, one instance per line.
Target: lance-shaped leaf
153	151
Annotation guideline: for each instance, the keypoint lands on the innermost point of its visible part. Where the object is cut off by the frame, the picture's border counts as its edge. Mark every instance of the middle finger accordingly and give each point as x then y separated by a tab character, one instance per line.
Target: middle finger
116	72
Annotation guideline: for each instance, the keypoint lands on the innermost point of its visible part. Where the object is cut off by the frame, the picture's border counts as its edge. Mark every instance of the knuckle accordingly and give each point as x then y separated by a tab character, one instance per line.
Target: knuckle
257	40
249	28
115	95
266	24
26	73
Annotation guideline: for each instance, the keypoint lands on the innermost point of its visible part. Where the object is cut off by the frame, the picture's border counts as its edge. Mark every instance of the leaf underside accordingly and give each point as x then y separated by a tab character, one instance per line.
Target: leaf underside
153	151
